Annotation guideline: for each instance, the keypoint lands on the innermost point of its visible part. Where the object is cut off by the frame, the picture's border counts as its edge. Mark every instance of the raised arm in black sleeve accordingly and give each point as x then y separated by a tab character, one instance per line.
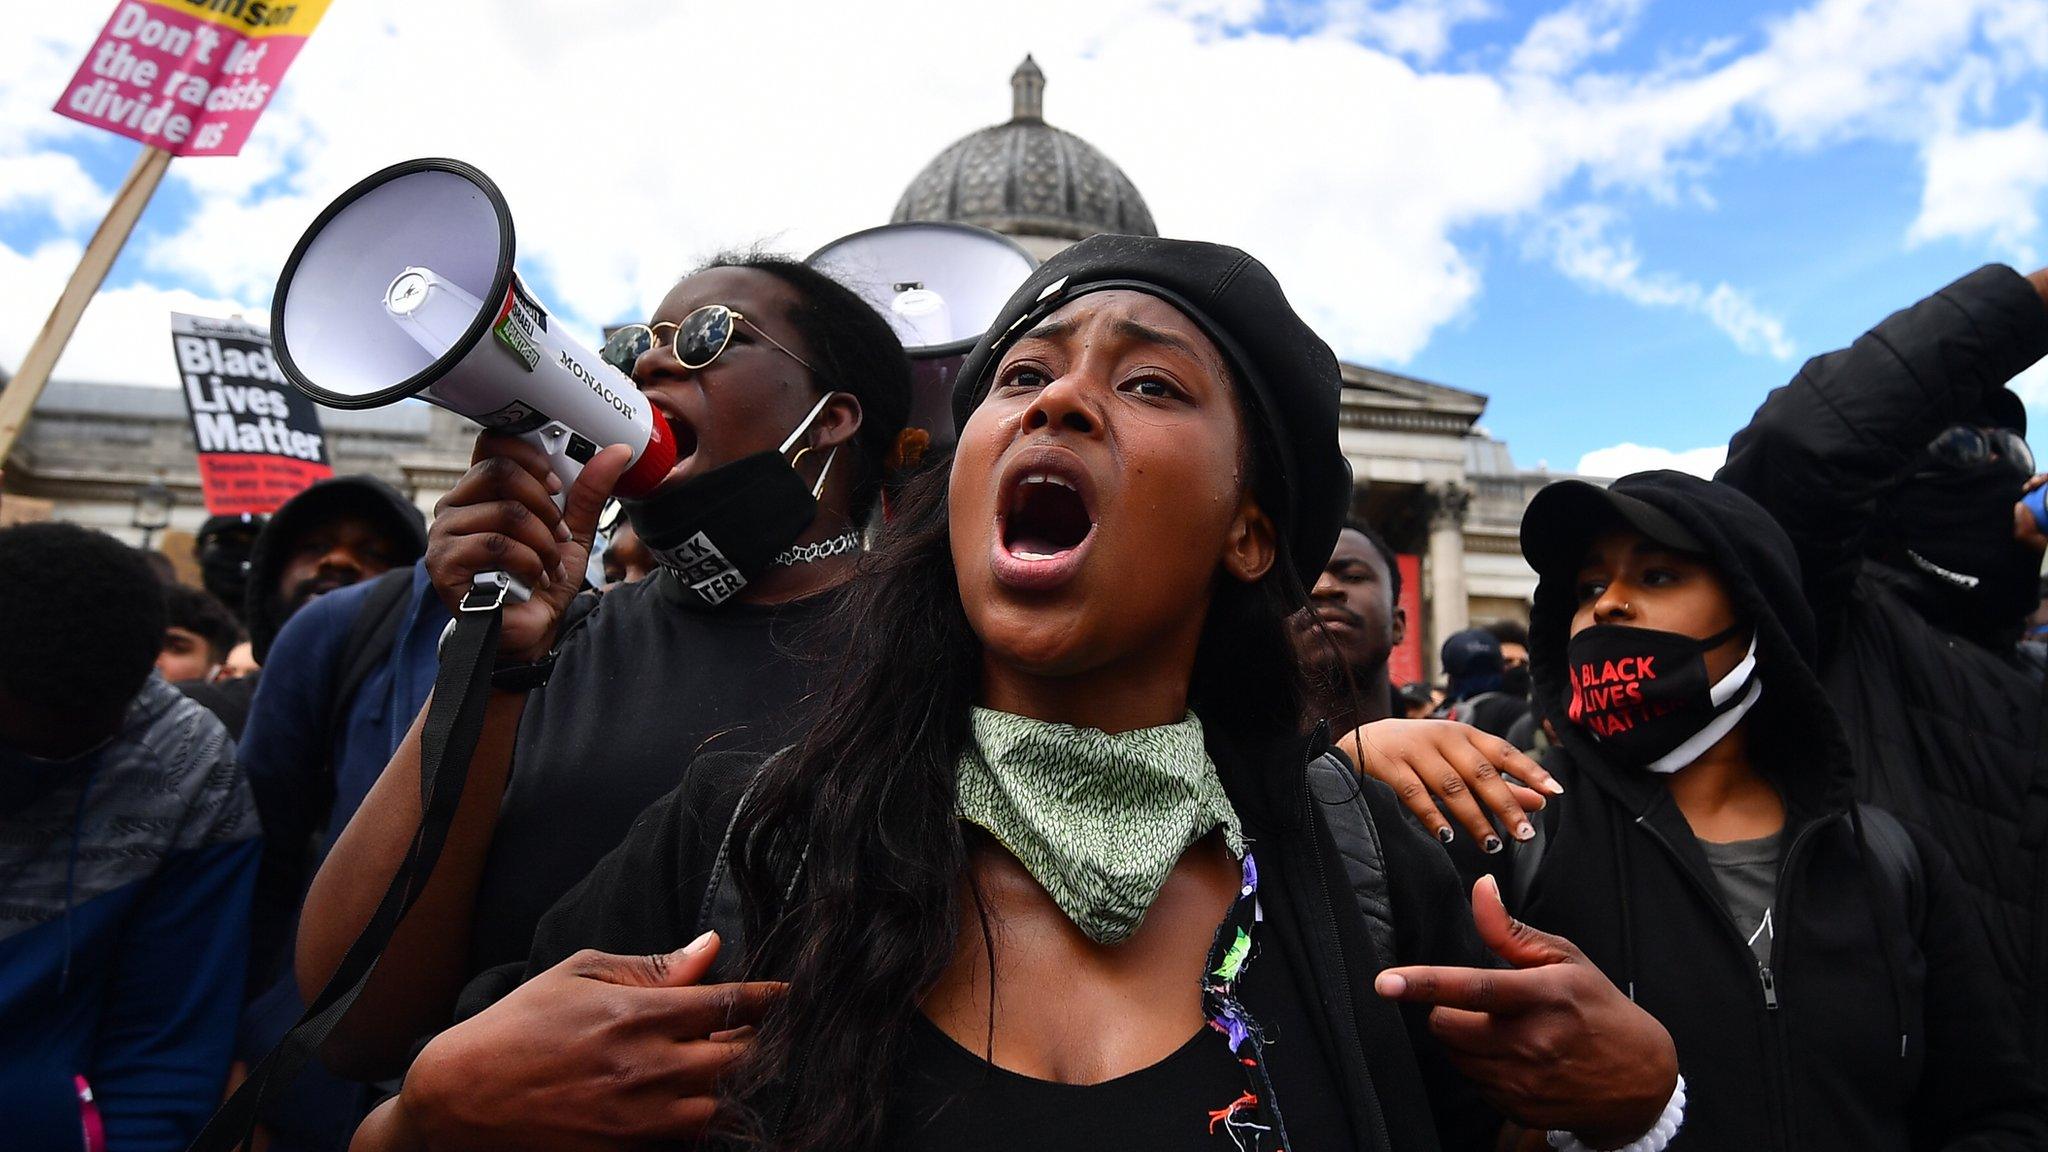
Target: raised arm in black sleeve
1821	449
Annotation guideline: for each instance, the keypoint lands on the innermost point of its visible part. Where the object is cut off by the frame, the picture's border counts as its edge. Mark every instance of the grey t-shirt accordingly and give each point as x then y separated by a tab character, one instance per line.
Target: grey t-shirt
1747	872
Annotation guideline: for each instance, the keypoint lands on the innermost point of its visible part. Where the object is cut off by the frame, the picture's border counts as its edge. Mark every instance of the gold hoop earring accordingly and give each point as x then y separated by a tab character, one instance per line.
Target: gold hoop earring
818	488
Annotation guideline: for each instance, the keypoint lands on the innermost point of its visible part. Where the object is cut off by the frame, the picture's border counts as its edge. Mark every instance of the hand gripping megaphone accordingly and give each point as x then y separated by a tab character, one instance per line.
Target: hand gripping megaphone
940	285
404	286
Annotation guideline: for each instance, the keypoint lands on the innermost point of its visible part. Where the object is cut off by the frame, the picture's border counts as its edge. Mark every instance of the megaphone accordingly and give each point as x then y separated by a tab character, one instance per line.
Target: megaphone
405	287
940	285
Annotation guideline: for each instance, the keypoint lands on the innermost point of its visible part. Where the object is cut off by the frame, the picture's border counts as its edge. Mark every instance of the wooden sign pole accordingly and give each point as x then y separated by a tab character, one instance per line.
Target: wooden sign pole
19	396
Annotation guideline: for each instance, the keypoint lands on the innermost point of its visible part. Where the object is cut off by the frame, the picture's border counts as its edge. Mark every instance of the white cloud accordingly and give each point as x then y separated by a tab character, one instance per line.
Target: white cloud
1336	150
1582	243
1561	41
52	183
125	334
2032	387
1420	29
1985	184
1623	459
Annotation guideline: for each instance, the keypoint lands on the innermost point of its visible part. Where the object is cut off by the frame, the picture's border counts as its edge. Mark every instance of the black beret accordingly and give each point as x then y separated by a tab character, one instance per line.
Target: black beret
1290	373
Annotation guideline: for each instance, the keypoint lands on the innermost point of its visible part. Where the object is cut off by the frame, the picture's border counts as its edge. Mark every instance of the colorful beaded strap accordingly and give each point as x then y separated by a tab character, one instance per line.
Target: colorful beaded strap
1253	1119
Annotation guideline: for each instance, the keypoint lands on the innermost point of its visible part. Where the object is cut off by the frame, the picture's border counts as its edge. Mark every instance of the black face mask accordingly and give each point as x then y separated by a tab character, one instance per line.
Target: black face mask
717	532
1644	694
1955	527
1515	681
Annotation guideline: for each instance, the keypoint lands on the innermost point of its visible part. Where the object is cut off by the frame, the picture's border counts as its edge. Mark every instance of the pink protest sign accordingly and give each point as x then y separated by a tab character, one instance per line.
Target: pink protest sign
188	76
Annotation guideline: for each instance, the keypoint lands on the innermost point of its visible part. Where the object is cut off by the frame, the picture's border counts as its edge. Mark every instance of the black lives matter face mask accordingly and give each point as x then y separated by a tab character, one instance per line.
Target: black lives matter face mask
1644	694
719	531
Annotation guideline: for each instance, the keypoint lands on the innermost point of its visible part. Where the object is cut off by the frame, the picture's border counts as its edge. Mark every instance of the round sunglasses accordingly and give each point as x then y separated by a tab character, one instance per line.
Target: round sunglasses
1968	446
696	341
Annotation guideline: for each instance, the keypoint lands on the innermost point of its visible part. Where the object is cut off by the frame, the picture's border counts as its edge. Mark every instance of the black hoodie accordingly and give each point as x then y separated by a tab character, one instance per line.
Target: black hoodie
365	496
1946	731
1874	1026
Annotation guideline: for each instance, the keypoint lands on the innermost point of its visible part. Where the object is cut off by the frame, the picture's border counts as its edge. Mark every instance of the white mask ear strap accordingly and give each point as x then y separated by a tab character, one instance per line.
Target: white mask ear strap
805	426
1737	677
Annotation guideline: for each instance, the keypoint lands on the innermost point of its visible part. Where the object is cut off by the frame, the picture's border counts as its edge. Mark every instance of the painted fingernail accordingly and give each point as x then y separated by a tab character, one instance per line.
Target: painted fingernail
1444	834
1553	787
699	944
1523	831
1492	845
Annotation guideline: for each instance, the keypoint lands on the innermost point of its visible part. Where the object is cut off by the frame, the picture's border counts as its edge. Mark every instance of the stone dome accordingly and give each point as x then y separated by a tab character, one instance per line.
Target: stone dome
1027	179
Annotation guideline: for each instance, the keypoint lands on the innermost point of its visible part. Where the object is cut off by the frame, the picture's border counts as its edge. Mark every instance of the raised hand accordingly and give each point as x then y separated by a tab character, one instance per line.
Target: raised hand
598	1052
1430	761
1551	1042
501	516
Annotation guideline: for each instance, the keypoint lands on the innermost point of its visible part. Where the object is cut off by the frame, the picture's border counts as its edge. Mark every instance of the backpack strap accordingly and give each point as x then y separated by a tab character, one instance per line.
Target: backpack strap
1897	860
1337	787
370	638
720	910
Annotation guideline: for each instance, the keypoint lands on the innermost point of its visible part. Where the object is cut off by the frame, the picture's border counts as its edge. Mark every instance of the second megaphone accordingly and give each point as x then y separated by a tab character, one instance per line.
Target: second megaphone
405	287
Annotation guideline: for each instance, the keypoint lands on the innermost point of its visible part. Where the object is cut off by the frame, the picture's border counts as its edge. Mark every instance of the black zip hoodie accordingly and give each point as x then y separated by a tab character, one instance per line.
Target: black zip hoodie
1873	1026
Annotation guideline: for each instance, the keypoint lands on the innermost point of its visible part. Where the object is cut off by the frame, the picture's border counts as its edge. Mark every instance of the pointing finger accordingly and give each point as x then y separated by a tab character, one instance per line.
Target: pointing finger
1477	989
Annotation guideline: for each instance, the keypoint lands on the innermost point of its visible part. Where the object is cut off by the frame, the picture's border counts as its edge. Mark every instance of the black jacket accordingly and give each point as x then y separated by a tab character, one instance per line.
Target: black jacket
1945	732
1400	1093
1879	1022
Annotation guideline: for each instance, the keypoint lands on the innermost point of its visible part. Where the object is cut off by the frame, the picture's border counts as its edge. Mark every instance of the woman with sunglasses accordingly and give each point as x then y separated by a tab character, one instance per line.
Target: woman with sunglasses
1048	871
787	394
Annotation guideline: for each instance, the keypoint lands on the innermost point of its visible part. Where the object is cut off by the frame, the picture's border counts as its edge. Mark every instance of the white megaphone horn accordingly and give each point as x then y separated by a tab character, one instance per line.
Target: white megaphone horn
405	286
940	285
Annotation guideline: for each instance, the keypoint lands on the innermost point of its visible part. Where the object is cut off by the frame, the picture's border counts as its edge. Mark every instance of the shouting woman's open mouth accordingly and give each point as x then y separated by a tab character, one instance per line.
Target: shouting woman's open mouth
1044	519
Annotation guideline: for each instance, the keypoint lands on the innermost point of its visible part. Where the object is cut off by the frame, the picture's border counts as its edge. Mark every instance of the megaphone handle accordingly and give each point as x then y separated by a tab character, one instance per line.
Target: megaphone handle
563	447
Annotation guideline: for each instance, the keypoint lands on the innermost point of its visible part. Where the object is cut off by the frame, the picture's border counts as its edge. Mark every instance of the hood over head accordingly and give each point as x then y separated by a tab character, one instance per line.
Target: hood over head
1795	733
366	496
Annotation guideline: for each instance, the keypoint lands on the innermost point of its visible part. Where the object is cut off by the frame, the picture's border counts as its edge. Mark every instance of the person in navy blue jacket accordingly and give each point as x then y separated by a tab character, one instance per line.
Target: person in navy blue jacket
128	849
347	674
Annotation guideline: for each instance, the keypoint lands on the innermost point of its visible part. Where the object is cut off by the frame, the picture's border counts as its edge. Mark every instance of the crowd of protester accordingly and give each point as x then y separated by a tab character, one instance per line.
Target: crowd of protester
955	822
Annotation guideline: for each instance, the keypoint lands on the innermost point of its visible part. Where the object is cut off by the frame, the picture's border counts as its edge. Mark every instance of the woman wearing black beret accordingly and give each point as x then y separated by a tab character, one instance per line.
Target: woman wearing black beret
1056	870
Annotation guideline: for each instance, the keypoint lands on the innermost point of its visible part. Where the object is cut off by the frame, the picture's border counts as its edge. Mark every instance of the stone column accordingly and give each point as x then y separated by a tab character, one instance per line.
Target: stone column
1449	604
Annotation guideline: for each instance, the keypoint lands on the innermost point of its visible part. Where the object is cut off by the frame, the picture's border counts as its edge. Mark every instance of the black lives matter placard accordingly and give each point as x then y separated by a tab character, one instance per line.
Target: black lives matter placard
259	439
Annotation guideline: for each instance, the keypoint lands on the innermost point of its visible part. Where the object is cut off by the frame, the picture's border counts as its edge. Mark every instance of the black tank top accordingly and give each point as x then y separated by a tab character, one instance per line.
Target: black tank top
946	1097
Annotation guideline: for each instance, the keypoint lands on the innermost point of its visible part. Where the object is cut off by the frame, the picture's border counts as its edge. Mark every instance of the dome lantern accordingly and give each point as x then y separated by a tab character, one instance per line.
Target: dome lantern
1027	91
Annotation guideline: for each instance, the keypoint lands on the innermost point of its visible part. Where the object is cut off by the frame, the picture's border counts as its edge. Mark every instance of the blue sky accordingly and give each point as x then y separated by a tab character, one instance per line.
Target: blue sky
1623	220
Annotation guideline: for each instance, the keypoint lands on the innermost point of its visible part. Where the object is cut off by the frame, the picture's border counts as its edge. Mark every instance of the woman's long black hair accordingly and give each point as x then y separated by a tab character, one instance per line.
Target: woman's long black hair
865	803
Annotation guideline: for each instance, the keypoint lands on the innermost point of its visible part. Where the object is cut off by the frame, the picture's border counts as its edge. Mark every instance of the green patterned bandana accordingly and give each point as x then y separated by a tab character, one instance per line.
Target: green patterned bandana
1098	820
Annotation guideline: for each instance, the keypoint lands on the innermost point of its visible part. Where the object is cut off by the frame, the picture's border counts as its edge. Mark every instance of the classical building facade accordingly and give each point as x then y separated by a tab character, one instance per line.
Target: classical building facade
1439	488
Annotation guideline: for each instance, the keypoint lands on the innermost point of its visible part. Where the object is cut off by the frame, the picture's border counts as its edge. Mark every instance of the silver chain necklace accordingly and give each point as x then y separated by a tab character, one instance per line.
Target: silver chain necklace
848	541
